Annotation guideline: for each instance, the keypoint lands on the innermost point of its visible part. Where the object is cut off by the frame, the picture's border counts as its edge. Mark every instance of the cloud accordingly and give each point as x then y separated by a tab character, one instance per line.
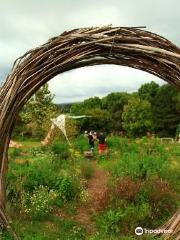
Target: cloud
97	81
28	24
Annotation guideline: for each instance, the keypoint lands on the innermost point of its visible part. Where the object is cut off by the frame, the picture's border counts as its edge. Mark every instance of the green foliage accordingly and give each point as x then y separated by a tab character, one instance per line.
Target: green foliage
87	169
15	152
113	143
40	230
178	132
114	103
38	204
110	220
142	189
160	197
165	115
92	103
65	189
38	111
81	144
148	91
100	119
38	173
137	117
71	231
60	149
77	109
143	159
145	203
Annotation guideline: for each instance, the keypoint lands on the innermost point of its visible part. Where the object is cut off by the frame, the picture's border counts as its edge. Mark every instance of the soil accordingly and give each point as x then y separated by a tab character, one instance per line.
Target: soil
96	186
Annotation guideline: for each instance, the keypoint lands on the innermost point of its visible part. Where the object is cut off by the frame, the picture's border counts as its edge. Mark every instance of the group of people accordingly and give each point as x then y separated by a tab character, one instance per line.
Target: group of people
101	139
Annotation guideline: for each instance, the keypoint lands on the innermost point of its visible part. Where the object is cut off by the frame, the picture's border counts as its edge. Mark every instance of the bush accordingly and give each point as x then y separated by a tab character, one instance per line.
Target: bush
161	198
113	143
66	187
60	149
135	215
38	173
14	152
87	169
121	192
81	144
125	189
141	165
146	203
110	220
39	204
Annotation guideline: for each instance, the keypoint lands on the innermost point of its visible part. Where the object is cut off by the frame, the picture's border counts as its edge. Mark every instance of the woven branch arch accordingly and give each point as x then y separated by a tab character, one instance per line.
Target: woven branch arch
125	46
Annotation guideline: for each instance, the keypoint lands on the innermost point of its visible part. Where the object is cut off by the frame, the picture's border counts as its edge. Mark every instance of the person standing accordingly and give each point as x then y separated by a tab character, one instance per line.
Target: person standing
91	137
102	143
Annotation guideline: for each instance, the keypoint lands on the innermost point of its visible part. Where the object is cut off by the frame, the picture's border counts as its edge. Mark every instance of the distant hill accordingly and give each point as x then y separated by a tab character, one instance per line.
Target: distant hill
65	107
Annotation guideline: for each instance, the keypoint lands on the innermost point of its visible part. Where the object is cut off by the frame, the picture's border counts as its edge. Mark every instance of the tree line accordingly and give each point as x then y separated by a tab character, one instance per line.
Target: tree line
152	108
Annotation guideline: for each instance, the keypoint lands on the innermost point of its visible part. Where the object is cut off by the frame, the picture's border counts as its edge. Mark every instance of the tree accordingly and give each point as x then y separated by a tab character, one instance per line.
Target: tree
137	117
92	103
99	120
77	109
165	114
148	91
114	103
38	111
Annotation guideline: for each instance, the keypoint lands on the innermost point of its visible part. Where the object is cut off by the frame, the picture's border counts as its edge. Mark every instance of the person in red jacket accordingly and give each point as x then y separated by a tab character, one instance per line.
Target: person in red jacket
102	142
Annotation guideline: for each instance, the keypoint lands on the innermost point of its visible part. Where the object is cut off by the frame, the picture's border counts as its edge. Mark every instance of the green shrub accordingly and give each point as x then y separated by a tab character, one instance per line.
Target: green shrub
71	230
66	187
60	149
135	215
15	152
113	143
161	198
39	173
15	178
81	144
87	169
141	166
110	220
39	204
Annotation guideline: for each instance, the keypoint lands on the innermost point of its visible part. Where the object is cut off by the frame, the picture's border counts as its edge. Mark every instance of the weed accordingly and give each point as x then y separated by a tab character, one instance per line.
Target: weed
39	204
87	169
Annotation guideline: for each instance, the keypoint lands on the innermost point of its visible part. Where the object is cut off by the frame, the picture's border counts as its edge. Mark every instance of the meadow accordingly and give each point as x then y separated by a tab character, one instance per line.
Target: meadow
56	193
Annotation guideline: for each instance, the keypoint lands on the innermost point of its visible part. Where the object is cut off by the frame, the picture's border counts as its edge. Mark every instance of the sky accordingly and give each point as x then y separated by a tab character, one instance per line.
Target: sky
26	24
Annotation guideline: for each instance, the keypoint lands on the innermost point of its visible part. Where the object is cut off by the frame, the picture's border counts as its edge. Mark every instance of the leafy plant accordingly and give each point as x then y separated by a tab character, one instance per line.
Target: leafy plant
87	169
110	221
66	187
81	144
39	204
60	149
15	152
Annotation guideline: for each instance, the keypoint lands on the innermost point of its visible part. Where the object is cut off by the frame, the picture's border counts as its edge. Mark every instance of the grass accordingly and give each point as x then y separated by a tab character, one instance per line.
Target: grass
33	165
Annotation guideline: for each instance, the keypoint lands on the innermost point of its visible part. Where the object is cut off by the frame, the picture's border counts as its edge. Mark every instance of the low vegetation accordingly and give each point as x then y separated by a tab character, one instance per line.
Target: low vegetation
49	186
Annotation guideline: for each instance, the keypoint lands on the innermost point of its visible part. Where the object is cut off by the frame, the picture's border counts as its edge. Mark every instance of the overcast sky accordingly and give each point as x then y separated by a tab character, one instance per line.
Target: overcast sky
25	24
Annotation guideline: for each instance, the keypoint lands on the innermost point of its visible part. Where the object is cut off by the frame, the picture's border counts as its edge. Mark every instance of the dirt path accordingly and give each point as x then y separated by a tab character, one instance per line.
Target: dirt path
96	187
